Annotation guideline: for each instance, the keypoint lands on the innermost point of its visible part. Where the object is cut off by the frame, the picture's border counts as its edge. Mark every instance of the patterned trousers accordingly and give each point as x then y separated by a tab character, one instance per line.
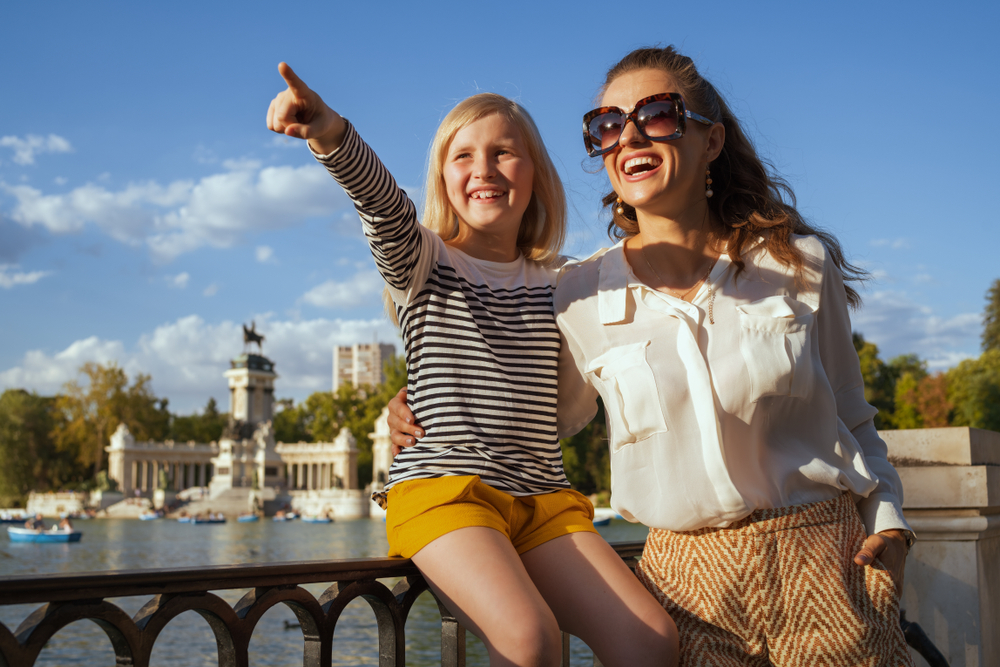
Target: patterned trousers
779	587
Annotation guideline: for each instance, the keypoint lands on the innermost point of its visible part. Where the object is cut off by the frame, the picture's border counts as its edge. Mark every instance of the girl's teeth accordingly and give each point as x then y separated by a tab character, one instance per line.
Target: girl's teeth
485	194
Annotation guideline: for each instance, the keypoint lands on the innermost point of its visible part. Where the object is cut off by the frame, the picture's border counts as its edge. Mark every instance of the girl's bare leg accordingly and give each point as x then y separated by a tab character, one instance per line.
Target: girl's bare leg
477	573
597	598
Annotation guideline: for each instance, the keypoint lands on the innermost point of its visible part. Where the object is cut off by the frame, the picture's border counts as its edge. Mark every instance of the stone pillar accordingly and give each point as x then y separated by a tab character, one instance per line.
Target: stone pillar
381	451
951	484
190	475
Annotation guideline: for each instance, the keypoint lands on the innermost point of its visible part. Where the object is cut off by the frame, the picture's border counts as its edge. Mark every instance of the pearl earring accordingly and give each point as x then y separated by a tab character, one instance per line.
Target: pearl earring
620	209
708	183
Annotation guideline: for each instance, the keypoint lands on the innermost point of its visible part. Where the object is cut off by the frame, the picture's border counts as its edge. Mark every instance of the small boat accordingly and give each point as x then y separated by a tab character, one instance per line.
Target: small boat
185	519
150	516
18	520
215	518
602	521
34	535
247	518
316	519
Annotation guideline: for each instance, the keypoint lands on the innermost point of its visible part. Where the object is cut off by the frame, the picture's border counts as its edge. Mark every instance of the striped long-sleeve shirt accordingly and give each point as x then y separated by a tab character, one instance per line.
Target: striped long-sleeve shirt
482	347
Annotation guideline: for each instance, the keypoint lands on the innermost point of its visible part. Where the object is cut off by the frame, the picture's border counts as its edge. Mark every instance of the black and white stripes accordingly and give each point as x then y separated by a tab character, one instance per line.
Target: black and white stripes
481	342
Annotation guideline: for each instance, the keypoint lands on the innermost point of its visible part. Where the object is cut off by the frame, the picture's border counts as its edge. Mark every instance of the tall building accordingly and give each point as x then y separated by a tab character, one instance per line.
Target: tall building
360	364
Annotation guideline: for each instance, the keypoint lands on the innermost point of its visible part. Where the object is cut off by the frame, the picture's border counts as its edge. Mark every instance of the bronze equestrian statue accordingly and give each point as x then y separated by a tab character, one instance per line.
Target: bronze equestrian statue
251	336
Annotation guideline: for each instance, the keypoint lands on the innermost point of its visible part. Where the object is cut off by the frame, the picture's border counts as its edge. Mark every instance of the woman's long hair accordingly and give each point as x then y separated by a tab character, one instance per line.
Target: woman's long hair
750	200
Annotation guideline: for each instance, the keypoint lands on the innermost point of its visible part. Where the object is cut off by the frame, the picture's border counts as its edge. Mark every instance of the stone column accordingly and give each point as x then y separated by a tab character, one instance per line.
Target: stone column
951	483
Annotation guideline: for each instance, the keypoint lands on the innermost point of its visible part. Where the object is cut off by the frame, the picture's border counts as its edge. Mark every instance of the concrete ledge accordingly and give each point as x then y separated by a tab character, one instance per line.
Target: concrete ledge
949	487
955	446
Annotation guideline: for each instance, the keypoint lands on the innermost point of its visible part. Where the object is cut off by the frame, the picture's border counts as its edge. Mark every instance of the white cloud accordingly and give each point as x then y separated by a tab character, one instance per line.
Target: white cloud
60	180
186	358
895	244
218	211
265	254
47	374
179	281
211	289
10	276
25	148
898	325
364	288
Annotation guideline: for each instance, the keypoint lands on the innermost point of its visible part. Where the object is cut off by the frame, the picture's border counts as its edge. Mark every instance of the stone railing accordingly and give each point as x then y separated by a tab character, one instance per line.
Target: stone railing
951	485
66	598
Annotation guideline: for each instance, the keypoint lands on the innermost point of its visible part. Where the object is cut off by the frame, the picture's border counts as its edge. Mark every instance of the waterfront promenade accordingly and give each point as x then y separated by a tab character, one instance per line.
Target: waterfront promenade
113	545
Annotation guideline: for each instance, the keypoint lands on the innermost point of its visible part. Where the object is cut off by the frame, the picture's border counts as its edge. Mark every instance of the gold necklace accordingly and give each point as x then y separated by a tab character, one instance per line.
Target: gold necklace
711	292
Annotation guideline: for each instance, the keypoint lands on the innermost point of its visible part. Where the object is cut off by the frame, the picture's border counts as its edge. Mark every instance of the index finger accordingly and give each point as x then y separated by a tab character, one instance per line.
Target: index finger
296	84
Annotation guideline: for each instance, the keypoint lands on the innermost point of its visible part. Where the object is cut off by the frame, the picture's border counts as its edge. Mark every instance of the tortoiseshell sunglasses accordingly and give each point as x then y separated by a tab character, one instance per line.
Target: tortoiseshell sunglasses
659	117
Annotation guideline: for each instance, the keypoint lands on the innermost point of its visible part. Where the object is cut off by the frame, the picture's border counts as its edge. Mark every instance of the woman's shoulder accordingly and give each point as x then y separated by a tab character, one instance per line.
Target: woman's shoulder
573	271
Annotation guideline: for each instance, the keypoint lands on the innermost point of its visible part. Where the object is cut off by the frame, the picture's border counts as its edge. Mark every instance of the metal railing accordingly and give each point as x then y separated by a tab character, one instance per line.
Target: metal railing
67	598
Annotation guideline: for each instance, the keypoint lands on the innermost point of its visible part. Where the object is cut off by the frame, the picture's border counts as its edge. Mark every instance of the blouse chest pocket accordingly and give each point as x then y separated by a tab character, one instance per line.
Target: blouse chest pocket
775	337
630	396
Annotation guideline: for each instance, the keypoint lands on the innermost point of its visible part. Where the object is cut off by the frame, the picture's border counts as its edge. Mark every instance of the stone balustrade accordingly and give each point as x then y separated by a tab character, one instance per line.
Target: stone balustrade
951	484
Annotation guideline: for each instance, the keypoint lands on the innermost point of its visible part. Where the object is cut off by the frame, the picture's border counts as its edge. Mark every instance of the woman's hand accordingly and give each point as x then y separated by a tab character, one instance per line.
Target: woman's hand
403	430
889	547
300	112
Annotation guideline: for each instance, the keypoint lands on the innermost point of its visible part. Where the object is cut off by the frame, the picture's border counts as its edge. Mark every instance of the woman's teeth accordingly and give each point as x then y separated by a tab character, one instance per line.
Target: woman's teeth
640	164
486	194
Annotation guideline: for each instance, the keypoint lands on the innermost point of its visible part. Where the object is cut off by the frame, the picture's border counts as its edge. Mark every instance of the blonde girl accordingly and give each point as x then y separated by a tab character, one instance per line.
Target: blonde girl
482	505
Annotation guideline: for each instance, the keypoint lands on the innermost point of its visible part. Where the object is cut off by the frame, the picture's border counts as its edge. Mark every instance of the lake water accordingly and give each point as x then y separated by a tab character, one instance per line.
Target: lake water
119	544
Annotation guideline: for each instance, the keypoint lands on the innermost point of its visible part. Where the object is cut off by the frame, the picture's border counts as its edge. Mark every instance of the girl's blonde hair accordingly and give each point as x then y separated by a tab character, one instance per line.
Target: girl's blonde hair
543	227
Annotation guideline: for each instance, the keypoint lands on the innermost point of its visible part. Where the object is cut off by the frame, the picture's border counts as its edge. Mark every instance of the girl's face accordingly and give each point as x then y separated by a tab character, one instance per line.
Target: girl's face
659	178
488	176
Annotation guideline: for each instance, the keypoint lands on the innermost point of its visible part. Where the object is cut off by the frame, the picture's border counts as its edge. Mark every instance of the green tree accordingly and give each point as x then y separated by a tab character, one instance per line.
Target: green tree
991	318
31	461
586	458
906	372
880	385
974	391
204	427
89	414
289	422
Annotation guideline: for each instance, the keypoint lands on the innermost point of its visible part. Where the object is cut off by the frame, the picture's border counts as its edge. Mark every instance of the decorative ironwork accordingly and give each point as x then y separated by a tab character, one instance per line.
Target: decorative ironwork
67	598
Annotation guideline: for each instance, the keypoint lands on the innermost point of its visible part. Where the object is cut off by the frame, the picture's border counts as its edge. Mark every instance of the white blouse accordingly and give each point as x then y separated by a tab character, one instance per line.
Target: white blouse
709	421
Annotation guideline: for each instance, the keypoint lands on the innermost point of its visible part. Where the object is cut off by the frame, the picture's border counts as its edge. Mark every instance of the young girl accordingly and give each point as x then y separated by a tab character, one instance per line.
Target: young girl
482	506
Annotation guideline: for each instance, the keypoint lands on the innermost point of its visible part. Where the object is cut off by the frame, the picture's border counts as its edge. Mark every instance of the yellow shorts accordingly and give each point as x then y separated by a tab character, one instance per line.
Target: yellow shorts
421	510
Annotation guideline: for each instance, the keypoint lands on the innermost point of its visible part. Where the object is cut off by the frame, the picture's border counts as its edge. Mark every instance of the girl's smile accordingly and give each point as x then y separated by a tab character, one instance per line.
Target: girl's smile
488	176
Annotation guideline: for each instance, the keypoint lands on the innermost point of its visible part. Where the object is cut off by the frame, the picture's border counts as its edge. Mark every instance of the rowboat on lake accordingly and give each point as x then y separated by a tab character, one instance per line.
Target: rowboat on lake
33	535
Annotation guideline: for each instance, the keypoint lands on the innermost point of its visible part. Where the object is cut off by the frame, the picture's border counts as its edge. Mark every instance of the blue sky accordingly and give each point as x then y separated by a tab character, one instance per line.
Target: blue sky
146	212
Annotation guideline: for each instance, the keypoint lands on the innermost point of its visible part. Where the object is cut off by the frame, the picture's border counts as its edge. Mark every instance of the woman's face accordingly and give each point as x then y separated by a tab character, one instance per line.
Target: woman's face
657	178
488	176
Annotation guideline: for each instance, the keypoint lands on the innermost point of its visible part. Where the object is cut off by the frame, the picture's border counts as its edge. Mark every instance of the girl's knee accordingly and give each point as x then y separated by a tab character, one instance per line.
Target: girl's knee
530	643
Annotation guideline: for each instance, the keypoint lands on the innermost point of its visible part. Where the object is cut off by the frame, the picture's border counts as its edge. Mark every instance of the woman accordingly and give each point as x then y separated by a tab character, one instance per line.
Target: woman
717	334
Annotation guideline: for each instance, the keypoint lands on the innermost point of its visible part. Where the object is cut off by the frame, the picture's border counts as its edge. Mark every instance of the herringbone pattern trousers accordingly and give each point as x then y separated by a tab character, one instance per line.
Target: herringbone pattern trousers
777	588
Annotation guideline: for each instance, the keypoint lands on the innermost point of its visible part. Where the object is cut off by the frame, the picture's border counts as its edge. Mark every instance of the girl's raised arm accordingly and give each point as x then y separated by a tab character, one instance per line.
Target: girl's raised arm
299	112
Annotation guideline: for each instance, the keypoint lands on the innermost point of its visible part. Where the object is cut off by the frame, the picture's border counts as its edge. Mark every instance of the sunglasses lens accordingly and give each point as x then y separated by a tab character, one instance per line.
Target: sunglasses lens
658	119
605	129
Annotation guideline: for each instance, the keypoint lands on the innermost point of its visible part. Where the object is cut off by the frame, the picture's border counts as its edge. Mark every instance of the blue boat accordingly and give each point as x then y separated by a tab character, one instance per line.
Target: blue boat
316	519
602	521
32	535
247	518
